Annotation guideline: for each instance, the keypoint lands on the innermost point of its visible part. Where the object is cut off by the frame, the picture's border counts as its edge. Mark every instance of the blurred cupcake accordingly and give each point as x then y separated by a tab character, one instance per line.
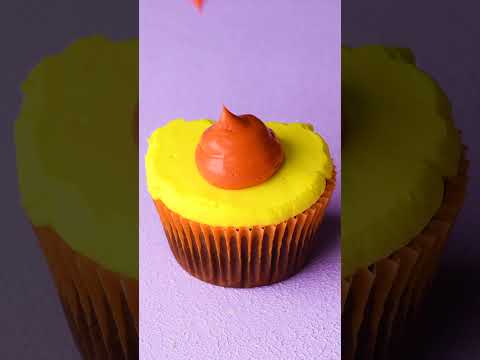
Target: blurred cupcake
404	178
77	159
240	202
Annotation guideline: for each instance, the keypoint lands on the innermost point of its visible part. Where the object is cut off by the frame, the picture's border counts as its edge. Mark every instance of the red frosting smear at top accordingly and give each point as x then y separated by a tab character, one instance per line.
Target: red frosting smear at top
238	152
198	4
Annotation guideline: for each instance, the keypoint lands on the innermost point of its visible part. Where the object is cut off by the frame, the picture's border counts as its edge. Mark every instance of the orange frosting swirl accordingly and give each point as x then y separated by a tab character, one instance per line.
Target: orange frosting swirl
238	152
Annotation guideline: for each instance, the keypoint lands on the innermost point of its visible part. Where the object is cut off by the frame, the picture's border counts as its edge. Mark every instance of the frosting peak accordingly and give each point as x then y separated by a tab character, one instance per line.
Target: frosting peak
231	122
238	152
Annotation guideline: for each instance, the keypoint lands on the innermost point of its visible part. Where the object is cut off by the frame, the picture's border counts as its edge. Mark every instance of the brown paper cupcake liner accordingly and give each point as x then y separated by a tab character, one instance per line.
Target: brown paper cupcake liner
244	256
381	301
101	306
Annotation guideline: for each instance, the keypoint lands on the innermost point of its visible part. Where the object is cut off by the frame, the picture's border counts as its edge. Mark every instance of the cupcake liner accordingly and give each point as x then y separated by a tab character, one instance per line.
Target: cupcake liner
101	306
381	301
244	256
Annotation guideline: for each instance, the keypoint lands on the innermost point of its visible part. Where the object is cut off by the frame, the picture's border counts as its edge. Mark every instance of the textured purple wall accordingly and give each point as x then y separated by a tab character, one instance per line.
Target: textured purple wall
281	61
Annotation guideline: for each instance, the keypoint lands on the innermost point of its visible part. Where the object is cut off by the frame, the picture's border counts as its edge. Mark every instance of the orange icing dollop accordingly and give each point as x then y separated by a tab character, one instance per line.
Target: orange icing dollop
238	152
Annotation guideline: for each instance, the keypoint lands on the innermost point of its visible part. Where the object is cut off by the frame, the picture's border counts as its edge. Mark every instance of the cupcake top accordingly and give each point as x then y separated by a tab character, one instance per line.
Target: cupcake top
238	171
398	146
77	150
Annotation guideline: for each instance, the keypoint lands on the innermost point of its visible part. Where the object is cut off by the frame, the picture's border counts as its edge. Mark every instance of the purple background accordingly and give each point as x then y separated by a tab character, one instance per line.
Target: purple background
444	36
281	61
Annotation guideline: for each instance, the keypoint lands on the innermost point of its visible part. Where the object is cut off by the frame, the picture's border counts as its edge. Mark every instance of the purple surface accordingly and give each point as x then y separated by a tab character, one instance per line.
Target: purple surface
281	61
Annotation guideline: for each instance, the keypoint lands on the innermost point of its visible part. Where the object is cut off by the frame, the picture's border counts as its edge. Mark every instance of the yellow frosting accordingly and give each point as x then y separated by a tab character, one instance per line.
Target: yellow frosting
77	158
399	144
173	177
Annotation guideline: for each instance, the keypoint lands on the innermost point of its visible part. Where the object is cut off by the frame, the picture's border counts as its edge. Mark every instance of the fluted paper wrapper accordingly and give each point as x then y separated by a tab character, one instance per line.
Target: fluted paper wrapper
244	256
380	302
101	306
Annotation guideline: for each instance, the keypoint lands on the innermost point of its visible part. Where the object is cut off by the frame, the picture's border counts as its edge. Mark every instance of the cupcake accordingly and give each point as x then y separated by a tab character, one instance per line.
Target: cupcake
77	160
404	178
240	201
